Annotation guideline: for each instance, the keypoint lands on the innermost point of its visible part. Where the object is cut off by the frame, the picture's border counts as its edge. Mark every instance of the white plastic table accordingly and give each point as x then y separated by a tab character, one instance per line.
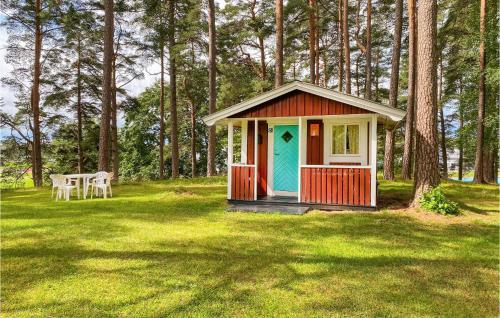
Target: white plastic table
86	178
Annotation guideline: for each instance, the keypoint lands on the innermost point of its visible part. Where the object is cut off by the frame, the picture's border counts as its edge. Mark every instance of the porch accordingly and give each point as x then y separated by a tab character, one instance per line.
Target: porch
317	178
288	205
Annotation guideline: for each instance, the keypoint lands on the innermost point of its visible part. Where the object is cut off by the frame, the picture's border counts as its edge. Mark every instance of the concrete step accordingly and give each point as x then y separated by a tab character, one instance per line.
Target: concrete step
275	208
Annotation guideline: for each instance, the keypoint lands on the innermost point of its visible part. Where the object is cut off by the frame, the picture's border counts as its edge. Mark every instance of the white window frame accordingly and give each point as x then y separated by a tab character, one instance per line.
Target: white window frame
345	154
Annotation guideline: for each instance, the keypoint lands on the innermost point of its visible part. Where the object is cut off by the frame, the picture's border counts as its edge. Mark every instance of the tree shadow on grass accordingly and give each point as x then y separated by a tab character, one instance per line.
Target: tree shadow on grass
223	275
175	204
258	265
394	195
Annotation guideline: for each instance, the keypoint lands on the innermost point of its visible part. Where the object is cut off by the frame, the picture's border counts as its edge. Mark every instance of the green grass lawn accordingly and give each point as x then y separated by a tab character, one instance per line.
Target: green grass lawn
168	249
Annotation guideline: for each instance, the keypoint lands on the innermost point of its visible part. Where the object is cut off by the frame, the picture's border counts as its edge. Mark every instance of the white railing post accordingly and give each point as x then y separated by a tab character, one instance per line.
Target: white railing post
255	161
300	159
373	160
244	140
229	157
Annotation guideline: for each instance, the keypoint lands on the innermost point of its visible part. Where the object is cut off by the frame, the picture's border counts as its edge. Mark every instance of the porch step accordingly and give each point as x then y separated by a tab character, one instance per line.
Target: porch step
261	208
277	204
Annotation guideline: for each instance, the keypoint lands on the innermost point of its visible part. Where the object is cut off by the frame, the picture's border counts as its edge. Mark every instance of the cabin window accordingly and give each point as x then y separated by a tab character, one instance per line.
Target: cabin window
345	139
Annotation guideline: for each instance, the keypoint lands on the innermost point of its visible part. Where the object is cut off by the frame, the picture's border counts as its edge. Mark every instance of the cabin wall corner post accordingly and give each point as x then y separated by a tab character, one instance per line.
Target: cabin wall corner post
373	161
300	159
229	157
244	131
256	157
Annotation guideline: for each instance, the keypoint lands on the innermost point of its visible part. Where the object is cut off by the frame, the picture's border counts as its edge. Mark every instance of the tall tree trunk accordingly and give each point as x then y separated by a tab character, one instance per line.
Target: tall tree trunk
79	113
316	50
312	40
114	124
278	79
377	75
326	75
460	134
33	161
426	160
389	154
162	111
442	124
356	73
478	165
393	92
263	69
488	165
341	47
35	99
192	107
104	131
253	14
173	90
347	53
495	164
412	72
211	86
368	83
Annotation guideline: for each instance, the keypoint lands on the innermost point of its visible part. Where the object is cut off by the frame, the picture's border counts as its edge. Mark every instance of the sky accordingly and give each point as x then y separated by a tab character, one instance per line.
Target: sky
8	95
5	92
134	88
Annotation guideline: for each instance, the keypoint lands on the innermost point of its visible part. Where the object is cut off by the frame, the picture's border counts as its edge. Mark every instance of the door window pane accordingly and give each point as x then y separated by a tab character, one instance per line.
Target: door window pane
338	140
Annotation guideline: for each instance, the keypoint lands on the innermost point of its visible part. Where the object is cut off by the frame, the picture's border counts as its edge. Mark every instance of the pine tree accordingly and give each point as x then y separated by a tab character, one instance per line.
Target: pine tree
174	141
478	166
393	94
104	135
426	175
368	71
212	90
347	53
412	72
278	80
312	40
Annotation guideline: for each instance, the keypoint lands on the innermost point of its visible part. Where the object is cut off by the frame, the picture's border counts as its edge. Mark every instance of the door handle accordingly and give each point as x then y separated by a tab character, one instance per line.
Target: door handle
276	154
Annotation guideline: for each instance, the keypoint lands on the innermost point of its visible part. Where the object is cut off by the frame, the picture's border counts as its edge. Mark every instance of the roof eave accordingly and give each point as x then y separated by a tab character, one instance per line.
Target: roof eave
393	114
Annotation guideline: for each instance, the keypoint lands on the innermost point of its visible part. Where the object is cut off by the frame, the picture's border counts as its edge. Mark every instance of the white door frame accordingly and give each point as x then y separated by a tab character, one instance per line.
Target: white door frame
271	123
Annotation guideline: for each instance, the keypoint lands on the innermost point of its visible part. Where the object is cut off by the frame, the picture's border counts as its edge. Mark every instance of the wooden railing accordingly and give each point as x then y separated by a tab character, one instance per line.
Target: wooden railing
242	182
336	185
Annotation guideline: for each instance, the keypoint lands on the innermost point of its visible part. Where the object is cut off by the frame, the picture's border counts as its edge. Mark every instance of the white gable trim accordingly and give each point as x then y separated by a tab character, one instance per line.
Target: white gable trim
392	113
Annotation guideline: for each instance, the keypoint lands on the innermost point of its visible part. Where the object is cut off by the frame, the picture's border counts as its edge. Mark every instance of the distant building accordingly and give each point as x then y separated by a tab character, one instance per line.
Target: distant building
452	159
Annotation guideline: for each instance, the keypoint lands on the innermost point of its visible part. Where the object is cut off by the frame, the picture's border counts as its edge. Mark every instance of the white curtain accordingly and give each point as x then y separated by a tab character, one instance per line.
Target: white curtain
338	140
352	144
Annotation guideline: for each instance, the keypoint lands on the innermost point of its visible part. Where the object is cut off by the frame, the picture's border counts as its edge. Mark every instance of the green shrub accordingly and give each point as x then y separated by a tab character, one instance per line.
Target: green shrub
435	201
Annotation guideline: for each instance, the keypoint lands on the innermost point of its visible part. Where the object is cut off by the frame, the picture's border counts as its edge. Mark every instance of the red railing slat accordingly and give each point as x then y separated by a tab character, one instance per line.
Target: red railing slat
242	183
341	186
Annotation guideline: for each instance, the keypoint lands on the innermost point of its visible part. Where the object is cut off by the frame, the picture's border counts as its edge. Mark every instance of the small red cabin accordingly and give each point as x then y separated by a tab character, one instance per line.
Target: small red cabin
304	144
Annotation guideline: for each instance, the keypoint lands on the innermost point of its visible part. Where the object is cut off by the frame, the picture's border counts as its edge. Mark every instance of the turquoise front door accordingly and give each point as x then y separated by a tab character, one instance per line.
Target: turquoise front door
286	158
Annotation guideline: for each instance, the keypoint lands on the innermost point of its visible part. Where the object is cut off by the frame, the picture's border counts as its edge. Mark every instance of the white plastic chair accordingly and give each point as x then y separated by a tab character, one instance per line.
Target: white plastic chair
75	182
87	183
54	184
64	188
102	182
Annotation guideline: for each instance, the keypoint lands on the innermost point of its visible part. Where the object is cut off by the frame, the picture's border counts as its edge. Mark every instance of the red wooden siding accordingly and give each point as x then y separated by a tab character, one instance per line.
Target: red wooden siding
242	183
314	143
298	103
262	160
342	186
